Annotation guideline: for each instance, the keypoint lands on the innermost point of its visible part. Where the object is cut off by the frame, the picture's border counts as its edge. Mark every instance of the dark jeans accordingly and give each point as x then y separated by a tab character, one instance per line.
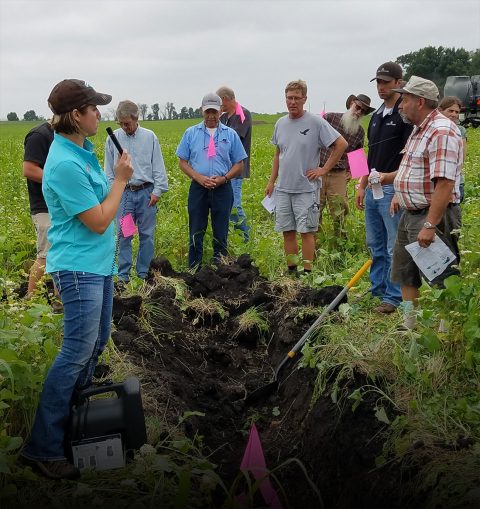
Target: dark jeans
218	202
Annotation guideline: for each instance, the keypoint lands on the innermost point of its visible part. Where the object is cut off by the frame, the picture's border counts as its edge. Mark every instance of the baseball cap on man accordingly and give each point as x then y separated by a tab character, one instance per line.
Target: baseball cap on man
388	71
420	87
211	101
71	94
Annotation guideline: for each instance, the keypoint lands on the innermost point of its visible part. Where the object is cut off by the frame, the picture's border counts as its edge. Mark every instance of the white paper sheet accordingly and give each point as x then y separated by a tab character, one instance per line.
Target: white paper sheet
431	260
269	203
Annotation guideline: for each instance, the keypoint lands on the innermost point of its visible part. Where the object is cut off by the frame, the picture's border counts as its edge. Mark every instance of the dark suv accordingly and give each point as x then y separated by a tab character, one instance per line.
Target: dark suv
467	89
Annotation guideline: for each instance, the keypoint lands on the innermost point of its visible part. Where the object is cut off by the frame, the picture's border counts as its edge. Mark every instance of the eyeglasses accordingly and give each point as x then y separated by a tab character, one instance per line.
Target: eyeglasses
358	107
293	98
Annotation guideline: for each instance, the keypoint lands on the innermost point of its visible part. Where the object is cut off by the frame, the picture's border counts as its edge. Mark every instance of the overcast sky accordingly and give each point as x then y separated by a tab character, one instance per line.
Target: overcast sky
164	50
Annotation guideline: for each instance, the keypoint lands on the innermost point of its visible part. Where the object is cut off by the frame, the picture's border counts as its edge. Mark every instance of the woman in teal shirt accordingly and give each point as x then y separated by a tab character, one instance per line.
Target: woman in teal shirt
81	261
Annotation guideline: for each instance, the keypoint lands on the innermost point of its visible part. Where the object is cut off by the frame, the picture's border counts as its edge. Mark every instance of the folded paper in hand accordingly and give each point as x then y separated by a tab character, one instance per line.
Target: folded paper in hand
128	225
269	203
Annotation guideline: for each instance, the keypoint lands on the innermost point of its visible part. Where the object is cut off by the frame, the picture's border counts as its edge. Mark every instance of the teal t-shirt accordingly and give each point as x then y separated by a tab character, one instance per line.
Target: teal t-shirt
73	182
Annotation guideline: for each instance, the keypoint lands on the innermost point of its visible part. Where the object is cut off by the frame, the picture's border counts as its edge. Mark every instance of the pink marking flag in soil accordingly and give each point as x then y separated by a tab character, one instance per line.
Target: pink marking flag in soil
254	462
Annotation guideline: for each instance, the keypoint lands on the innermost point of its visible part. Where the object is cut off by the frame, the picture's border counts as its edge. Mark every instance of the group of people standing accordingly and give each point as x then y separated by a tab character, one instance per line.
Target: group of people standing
416	150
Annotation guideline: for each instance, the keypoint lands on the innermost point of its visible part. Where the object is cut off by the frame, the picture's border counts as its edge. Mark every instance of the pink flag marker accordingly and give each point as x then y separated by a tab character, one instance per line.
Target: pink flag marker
358	163
211	148
322	113
239	112
128	225
254	461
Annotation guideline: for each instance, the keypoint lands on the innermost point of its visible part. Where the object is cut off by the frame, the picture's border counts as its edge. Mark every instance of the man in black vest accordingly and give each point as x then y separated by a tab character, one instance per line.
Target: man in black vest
387	135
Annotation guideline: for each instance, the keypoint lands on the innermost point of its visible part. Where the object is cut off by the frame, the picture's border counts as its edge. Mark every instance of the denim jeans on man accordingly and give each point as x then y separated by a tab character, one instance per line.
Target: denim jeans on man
238	217
381	230
201	201
87	305
145	217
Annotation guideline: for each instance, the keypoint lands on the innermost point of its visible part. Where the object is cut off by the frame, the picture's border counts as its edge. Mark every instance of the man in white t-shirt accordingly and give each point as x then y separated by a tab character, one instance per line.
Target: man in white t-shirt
298	138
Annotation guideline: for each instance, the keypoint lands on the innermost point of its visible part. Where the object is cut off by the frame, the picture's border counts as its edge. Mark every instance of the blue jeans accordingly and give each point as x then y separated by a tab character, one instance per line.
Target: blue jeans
145	217
218	202
381	230
237	216
87	305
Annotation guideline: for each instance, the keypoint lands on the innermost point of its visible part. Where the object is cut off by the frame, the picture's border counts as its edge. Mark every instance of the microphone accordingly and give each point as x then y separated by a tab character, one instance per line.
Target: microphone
115	141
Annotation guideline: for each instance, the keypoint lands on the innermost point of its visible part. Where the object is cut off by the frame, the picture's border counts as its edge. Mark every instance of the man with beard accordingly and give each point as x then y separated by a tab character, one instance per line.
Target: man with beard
387	134
334	186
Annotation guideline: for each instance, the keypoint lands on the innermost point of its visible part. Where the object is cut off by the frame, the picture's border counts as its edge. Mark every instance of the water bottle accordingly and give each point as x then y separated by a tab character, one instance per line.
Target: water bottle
374	180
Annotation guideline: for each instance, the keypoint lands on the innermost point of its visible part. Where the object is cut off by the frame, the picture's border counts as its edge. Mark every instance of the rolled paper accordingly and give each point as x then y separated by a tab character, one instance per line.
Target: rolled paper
211	148
239	112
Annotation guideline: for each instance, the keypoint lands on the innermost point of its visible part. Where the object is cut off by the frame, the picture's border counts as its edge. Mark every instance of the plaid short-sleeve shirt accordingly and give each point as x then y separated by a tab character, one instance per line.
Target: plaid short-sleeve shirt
434	150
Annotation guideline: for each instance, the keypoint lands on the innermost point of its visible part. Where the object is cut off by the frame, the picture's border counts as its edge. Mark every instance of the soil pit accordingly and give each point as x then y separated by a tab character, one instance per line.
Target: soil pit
201	352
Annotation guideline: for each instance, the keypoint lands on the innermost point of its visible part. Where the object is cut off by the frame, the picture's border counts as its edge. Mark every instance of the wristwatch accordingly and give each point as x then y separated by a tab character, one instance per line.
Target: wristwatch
428	226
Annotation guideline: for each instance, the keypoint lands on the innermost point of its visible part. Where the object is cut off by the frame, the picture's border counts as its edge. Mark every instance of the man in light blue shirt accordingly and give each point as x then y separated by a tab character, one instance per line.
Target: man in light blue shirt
211	154
141	194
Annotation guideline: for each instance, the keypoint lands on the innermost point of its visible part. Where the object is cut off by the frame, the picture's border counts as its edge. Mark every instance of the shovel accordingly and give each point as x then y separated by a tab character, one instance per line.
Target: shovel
272	386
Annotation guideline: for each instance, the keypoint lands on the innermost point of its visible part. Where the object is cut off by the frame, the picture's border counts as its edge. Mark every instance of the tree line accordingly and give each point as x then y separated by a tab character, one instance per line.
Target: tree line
432	63
157	112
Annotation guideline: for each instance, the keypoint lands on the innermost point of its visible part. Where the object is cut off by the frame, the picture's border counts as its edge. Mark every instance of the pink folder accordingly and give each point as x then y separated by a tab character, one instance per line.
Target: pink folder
128	226
358	163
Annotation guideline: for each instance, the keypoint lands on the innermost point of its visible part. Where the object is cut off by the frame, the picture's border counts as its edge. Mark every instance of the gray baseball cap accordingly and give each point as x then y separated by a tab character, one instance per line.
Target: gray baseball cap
420	87
211	101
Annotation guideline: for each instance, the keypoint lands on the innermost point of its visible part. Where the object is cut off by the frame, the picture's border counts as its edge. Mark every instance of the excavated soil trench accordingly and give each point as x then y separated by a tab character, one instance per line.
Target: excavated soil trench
197	357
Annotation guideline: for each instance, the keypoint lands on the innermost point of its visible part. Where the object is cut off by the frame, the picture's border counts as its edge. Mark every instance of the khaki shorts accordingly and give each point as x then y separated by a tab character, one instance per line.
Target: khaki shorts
298	212
41	222
404	270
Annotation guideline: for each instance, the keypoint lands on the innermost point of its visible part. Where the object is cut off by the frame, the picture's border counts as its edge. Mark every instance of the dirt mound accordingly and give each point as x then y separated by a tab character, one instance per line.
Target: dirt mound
213	337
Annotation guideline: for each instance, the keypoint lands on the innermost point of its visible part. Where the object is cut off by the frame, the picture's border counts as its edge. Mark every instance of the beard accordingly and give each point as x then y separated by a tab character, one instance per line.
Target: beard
350	122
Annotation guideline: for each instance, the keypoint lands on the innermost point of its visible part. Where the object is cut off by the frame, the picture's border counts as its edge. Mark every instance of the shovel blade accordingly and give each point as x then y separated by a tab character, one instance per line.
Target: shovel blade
262	392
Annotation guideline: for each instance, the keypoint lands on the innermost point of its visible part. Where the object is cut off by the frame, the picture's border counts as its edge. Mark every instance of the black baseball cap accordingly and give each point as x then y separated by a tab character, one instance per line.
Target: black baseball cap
388	71
71	94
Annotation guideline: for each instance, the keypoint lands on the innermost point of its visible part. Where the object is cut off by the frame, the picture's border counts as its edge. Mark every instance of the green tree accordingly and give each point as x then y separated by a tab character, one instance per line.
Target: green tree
12	116
143	110
475	62
436	63
155	110
30	115
183	112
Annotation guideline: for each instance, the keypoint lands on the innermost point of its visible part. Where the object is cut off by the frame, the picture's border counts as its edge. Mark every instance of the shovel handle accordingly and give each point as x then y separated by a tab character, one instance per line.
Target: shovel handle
298	346
359	274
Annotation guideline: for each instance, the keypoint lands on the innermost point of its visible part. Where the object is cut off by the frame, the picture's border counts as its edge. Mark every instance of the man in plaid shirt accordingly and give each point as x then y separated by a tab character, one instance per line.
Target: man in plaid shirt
425	187
334	183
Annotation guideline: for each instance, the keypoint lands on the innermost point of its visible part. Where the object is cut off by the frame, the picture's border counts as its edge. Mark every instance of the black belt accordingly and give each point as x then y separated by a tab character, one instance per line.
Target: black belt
139	187
418	212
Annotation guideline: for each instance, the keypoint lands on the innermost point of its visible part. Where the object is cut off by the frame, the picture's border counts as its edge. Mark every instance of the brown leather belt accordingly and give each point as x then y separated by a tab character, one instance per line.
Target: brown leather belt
139	187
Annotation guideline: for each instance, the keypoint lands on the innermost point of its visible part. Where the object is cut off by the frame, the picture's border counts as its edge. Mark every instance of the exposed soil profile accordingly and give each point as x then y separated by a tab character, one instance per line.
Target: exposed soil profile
199	355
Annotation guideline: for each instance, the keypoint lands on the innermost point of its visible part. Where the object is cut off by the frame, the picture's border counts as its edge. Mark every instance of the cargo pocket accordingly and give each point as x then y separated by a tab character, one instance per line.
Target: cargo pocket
313	215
